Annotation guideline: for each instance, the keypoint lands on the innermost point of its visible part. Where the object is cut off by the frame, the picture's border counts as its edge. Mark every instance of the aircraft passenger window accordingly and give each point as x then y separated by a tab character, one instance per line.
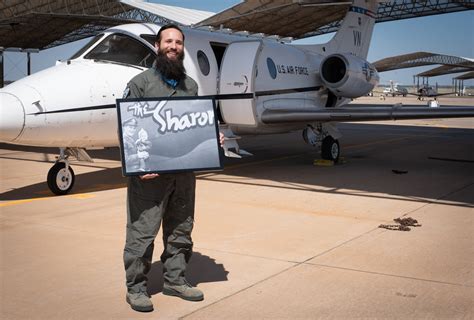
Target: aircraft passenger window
86	47
271	68
203	62
123	49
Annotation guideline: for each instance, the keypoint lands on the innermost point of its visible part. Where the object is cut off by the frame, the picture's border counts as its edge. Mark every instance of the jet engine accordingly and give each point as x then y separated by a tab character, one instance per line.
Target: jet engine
348	76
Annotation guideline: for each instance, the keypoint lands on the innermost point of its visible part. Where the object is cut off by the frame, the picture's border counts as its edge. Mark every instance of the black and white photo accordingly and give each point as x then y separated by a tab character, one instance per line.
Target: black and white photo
168	135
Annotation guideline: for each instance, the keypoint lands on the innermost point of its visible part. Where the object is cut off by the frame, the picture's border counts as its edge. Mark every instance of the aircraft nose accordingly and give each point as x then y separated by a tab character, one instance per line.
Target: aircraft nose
12	117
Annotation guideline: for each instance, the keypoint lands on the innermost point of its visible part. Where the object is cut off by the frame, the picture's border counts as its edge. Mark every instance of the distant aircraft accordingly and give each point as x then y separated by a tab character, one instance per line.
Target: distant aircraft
395	90
427	91
283	88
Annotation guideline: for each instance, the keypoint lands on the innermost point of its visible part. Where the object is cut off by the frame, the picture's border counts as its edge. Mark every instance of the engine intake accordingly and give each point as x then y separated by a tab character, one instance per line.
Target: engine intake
348	76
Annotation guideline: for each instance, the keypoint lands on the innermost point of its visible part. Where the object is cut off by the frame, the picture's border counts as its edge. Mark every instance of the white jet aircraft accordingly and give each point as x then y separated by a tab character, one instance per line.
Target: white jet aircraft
285	87
395	90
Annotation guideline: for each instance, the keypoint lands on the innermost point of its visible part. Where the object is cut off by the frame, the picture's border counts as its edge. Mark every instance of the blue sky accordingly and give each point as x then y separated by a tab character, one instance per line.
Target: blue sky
449	34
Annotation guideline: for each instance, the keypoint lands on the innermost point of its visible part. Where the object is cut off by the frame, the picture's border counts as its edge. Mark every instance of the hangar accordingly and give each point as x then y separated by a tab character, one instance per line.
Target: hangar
42	24
29	26
449	64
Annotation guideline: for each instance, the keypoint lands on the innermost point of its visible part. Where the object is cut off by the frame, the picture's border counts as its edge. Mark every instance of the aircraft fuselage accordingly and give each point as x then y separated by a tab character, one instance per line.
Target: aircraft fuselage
72	104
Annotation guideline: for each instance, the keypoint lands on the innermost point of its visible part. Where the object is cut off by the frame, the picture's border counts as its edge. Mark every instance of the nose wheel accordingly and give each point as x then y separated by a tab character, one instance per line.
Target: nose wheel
60	178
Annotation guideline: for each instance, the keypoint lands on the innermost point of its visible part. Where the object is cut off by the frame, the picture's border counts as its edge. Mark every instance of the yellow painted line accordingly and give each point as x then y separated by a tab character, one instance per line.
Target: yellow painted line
79	196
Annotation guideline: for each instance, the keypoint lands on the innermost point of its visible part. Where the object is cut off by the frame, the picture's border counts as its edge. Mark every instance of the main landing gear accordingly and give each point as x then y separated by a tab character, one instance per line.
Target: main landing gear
61	176
324	136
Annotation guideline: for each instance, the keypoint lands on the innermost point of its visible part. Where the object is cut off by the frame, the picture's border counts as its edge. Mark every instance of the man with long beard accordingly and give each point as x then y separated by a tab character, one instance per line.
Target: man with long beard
153	199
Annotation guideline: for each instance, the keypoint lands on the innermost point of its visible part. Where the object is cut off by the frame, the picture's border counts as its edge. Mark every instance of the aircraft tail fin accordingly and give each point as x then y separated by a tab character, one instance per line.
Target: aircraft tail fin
356	30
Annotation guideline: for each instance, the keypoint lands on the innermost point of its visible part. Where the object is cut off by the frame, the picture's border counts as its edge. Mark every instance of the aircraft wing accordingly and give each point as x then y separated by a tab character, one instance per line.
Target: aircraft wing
430	95
359	112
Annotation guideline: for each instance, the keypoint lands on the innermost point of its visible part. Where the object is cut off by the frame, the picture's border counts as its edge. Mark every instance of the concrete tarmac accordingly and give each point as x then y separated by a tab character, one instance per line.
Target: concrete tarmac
276	237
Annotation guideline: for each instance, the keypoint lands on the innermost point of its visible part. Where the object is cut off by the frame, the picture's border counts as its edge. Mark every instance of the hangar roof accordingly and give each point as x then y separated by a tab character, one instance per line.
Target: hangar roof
446	70
37	24
287	18
179	15
450	64
417	59
43	24
466	76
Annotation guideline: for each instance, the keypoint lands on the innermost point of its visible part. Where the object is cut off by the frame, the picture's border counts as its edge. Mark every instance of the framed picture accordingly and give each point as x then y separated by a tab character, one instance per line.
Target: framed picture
172	134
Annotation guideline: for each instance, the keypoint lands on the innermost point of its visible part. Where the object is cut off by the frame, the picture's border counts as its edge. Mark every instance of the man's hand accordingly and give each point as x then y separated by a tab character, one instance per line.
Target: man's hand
221	139
149	176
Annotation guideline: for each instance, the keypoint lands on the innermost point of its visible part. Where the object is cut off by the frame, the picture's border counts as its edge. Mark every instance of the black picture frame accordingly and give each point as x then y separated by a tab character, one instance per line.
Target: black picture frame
168	135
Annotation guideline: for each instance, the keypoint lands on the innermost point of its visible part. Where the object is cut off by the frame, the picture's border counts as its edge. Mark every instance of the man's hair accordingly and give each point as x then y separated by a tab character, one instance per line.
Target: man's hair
168	26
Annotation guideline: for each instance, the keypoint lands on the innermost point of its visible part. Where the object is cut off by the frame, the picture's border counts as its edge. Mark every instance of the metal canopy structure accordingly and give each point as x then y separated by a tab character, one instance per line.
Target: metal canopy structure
466	76
287	19
42	24
446	69
418	59
458	82
449	64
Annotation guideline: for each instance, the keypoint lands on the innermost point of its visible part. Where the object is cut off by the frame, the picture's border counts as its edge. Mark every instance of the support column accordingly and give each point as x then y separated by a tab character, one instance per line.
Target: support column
2	82
28	63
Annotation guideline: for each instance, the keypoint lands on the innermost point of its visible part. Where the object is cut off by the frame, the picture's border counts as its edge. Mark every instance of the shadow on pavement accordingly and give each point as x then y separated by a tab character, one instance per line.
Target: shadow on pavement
429	157
201	269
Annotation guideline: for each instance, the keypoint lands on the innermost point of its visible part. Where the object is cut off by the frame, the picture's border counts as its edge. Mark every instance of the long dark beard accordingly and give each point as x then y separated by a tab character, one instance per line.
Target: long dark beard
171	69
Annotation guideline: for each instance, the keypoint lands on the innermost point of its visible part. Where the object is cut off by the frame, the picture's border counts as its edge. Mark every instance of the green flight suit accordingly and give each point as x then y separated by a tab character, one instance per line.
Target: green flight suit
167	199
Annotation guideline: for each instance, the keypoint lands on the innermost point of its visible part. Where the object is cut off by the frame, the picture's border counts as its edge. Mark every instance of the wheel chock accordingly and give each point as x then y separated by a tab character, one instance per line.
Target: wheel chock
328	163
323	163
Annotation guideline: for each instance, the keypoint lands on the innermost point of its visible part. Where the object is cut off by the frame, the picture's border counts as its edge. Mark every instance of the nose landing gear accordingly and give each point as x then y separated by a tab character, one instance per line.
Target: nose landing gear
61	176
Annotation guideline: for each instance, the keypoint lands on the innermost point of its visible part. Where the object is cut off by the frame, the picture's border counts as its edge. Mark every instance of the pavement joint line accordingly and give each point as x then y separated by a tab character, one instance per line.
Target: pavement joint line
306	262
363	145
296	264
457	190
437	201
247	255
241	290
355	194
391	275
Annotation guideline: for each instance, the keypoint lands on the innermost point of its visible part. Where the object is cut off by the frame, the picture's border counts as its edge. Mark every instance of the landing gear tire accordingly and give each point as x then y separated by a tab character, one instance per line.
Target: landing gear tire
330	149
60	180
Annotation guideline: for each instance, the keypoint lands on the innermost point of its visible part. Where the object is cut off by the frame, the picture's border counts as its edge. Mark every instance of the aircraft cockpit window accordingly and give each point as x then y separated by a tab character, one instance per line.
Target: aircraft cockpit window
86	47
150	38
123	49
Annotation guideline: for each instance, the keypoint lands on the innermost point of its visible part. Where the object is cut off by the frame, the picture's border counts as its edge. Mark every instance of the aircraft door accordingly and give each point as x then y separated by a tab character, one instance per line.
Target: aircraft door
237	75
